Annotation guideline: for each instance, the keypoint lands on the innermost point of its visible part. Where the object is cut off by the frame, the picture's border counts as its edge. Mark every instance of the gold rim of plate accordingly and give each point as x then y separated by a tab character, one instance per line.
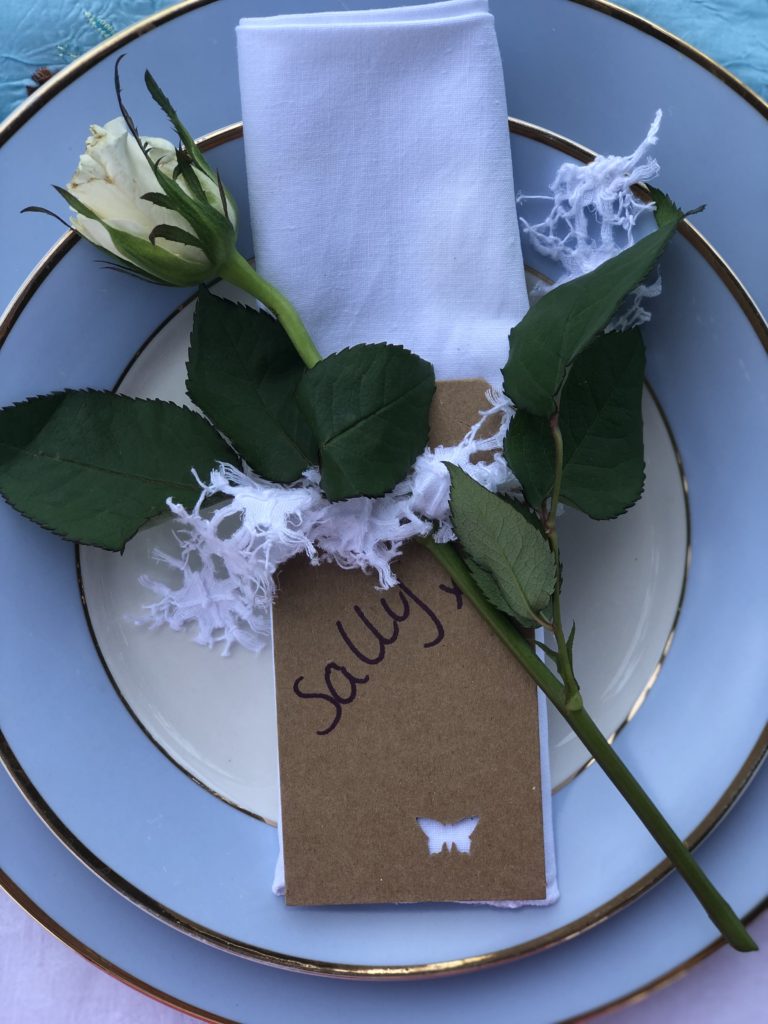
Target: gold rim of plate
7	129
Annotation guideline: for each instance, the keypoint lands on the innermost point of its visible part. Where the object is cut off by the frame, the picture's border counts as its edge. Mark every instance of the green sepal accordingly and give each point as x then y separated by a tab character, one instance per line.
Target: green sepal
158	199
172	233
167	108
185	169
77	205
214	231
159	263
191	147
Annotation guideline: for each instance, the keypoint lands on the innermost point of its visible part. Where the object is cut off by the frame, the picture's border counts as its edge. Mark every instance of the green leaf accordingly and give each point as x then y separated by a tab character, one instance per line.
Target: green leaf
567	319
530	454
602	427
492	591
667	213
94	466
369	409
243	373
516	567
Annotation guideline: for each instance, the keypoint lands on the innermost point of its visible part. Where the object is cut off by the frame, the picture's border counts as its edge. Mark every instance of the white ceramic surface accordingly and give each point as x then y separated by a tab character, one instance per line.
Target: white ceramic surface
215	716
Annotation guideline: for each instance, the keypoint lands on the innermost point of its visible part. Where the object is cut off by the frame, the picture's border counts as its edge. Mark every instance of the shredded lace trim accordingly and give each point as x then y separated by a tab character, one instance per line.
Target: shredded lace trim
592	217
227	558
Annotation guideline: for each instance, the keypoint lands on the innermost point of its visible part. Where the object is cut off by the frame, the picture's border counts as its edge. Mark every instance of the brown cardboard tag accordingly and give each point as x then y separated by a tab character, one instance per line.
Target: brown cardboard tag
400	712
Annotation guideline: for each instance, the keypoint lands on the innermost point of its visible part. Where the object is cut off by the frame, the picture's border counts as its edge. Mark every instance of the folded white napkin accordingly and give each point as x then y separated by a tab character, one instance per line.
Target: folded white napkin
381	190
381	193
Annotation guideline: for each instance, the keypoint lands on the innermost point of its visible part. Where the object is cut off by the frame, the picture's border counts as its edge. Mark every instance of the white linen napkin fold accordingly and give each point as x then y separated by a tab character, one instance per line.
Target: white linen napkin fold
381	193
381	190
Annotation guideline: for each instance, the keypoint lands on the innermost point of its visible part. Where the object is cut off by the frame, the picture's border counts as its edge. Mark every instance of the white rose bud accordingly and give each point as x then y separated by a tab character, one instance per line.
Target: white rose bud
162	212
160	209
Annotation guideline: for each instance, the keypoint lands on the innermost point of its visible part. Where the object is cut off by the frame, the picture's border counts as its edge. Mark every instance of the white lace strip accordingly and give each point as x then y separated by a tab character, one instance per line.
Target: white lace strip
228	557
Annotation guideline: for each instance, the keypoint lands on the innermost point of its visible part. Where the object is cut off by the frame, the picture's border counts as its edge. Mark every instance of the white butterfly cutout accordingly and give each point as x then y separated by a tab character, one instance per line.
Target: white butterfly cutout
440	836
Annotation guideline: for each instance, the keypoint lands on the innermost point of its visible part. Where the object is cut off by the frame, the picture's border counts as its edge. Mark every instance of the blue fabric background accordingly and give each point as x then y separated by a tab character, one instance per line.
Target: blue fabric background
734	32
50	33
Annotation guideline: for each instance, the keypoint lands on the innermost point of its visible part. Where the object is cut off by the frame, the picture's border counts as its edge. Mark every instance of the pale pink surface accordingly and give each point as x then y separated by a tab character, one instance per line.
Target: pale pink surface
726	988
44	982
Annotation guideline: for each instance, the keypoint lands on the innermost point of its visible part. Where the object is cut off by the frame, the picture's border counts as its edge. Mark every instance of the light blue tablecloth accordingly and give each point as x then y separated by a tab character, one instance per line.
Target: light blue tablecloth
47	34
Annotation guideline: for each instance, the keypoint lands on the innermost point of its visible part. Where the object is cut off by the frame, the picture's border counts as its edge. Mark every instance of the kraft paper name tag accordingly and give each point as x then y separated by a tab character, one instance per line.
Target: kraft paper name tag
408	735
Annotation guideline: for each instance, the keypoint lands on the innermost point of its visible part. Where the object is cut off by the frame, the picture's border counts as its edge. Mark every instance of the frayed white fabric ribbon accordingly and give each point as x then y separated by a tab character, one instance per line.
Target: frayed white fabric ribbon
227	558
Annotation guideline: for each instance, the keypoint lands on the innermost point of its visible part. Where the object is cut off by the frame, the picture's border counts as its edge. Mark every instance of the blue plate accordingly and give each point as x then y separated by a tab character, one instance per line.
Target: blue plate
216	30
181	853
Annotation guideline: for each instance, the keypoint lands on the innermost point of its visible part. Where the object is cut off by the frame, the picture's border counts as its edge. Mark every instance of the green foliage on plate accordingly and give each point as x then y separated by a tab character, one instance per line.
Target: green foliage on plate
600	418
507	555
243	373
567	319
94	466
369	409
362	415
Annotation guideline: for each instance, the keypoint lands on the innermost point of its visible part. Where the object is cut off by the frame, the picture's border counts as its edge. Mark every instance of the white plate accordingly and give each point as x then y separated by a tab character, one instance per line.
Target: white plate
627	602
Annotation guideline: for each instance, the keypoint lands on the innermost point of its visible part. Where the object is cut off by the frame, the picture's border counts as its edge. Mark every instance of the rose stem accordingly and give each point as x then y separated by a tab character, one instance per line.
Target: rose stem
238	271
566	698
587	731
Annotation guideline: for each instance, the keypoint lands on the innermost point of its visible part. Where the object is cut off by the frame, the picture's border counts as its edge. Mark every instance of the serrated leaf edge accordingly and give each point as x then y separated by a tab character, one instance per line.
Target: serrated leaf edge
63	534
